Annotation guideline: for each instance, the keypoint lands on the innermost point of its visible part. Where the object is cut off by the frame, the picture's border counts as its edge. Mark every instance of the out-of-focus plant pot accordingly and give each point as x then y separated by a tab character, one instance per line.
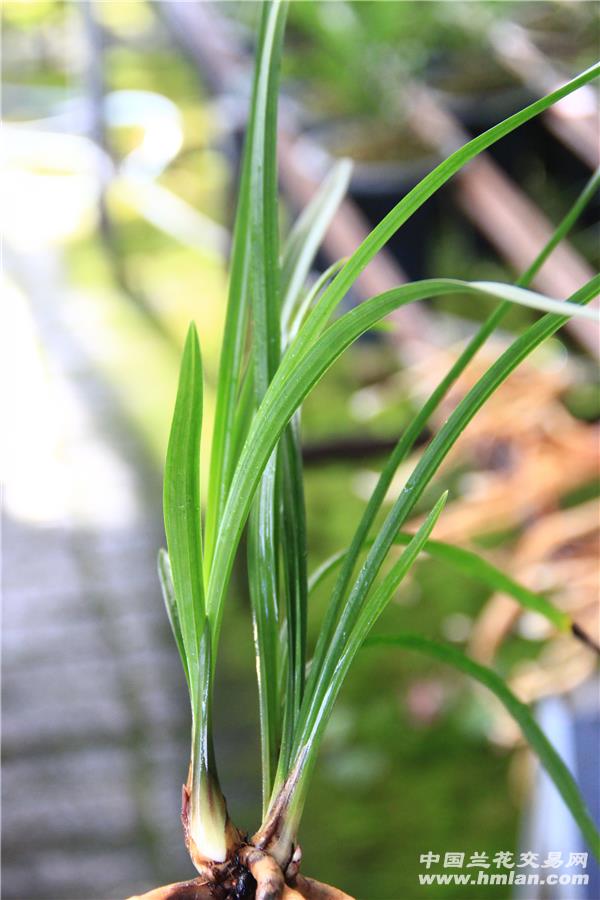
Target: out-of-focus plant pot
481	93
567	34
477	89
388	163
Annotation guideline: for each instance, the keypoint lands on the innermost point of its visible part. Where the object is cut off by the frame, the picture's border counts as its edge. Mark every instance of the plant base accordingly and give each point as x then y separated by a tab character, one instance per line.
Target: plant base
253	875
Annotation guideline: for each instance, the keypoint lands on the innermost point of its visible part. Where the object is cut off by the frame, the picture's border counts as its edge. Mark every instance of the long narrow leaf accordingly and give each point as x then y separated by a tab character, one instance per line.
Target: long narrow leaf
307	234
477	567
294	548
205	815
294	553
245	409
537	740
264	266
230	369
262	580
232	349
181	502
205	818
302	308
264	530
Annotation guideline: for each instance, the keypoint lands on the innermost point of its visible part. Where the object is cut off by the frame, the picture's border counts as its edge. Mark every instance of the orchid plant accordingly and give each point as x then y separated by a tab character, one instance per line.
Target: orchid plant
280	337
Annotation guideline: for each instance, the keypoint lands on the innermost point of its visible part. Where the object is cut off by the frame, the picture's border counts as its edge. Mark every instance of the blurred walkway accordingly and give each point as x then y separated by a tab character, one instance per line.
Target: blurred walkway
95	717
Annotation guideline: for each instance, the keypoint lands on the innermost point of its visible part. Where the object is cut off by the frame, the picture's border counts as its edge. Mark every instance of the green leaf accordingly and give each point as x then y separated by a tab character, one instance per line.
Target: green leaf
230	367
264	227
304	305
245	409
476	567
262	581
294	553
264	525
319	683
307	234
329	565
521	713
181	502
242	269
206	815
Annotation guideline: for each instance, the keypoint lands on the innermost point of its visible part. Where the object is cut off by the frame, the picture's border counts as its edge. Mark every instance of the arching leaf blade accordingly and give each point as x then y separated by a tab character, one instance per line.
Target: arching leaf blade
307	234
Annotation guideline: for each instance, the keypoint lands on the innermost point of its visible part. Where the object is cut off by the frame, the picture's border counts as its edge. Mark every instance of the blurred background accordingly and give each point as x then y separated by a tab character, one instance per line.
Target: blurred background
123	129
